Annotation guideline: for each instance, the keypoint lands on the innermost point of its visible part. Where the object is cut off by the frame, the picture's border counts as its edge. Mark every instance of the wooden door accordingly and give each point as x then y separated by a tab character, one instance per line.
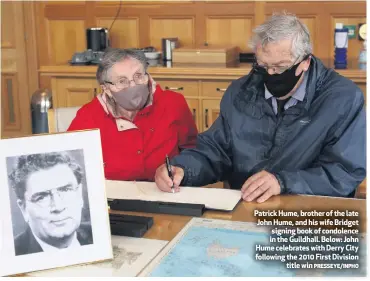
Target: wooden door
188	88
194	108
210	112
15	95
71	92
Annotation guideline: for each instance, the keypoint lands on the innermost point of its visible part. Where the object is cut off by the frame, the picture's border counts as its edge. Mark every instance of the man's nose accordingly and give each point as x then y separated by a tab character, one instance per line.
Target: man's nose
56	203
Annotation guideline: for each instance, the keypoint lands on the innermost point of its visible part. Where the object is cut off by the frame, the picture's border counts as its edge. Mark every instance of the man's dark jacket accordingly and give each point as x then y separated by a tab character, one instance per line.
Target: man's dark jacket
316	147
25	243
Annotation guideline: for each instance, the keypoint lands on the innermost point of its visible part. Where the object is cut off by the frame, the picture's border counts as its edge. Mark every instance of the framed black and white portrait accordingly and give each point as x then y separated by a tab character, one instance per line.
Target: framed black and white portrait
54	209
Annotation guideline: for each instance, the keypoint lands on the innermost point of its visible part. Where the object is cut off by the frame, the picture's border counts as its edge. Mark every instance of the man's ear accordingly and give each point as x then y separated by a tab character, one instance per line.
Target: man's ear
22	206
306	63
303	67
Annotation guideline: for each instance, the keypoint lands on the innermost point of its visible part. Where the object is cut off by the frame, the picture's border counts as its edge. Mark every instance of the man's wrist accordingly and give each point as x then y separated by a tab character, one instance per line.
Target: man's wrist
281	184
184	170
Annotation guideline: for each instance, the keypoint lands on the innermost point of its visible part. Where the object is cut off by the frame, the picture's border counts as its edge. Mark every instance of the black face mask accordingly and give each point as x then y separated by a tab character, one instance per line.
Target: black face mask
279	85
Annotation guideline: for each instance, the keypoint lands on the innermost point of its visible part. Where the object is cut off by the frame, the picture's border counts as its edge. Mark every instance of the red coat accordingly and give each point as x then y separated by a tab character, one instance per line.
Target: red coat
163	128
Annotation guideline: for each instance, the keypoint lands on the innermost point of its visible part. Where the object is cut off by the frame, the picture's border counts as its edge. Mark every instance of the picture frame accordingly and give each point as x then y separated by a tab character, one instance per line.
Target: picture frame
54	209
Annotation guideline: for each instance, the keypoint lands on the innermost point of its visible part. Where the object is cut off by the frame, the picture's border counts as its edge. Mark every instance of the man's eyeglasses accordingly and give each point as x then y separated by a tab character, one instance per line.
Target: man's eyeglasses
276	69
43	199
123	82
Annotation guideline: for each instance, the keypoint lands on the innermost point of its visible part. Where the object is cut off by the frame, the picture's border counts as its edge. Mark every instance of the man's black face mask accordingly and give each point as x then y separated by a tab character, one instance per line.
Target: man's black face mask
280	85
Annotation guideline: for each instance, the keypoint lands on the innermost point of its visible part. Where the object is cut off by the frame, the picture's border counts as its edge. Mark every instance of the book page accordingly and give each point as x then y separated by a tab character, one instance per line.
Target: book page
212	198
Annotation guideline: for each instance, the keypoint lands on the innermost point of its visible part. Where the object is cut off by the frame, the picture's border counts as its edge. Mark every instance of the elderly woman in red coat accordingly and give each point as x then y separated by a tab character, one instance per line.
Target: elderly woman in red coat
139	122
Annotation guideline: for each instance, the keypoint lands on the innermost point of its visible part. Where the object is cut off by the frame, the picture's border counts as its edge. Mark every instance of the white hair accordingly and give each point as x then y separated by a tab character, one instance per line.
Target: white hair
112	56
283	26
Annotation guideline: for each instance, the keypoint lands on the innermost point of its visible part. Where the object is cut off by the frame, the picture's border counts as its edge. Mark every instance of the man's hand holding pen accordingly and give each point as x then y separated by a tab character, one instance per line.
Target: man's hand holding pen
169	171
168	177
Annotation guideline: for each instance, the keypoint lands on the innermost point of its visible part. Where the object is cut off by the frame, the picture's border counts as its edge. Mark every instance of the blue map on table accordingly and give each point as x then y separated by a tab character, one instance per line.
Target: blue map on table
226	252
218	252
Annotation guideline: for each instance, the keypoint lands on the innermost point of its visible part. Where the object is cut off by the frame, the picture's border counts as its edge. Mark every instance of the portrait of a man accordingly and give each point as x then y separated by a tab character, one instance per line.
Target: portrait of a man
49	193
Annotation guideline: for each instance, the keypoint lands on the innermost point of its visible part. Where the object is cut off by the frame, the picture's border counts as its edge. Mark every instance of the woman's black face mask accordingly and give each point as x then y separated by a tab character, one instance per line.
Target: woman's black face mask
280	85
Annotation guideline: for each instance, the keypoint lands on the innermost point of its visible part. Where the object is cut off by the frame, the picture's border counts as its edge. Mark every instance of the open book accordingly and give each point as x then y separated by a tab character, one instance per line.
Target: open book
212	198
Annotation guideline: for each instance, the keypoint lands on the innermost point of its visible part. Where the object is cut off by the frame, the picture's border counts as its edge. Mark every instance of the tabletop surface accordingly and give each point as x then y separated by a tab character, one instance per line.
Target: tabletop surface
166	227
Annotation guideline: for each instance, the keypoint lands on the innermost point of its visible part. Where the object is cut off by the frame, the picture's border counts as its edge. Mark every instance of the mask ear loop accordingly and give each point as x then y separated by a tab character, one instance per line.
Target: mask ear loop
112	102
149	80
304	58
150	85
150	89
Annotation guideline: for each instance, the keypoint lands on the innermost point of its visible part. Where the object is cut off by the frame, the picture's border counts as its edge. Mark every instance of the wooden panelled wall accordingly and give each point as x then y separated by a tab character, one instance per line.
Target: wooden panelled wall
61	25
18	67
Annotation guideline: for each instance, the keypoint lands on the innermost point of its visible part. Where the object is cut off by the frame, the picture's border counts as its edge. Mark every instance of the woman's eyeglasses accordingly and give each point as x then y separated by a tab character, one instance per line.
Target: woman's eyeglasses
123	82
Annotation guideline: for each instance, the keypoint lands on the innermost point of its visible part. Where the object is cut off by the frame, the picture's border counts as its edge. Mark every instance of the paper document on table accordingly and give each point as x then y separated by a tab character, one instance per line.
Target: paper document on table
212	198
130	256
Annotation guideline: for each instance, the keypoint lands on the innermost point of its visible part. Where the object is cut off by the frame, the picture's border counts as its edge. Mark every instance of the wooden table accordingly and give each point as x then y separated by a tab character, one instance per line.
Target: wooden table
166	227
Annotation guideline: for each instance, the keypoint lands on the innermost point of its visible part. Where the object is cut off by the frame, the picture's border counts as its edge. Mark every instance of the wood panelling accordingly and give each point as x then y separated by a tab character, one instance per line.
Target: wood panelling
140	24
65	38
61	26
74	91
31	46
229	8
124	33
7	18
9	60
183	28
259	12
15	95
185	87
241	31
68	10
211	110
214	88
10	103
195	111
229	24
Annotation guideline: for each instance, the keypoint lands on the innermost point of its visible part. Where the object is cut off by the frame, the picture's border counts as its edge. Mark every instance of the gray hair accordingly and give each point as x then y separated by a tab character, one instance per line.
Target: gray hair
112	56
283	26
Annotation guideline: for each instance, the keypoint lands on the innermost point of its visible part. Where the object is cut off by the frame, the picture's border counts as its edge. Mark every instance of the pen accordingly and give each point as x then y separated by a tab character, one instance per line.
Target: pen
169	170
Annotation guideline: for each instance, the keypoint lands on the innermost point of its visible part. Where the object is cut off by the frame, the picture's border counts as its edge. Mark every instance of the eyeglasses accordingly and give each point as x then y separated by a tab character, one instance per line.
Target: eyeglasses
43	199
276	69
123	82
